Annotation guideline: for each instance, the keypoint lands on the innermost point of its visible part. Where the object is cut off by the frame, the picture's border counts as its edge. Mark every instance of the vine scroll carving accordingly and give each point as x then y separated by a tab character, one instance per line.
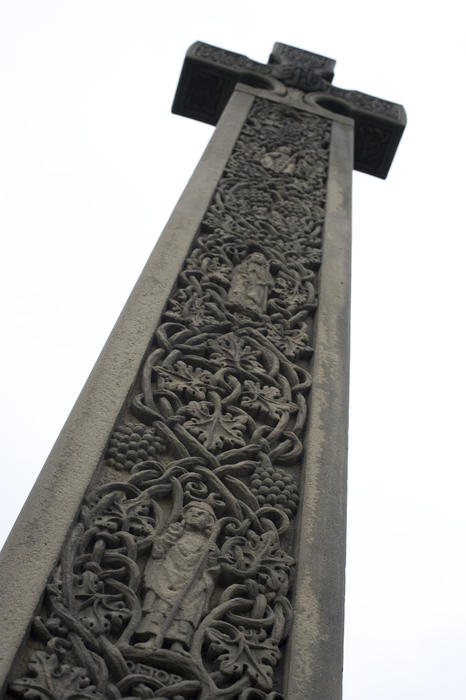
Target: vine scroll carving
175	580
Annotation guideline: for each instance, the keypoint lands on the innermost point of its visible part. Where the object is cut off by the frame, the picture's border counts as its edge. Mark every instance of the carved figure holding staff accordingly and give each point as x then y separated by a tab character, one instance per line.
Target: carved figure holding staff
178	580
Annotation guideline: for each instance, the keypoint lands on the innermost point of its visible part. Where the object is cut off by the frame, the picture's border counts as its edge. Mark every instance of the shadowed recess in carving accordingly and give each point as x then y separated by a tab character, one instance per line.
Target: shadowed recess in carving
334	105
256	81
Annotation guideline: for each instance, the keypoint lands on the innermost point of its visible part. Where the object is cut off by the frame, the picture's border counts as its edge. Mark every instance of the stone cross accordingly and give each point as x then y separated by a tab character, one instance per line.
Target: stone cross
186	537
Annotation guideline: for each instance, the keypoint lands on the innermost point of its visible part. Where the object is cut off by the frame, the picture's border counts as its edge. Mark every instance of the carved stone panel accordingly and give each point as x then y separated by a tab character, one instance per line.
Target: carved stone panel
176	578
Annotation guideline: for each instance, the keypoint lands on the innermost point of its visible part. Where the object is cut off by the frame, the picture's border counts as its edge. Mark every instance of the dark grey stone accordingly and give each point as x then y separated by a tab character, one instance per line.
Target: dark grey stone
210	74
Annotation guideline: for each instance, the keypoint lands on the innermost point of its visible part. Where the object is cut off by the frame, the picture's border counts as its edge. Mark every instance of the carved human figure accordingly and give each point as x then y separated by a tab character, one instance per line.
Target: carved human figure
251	282
283	160
178	580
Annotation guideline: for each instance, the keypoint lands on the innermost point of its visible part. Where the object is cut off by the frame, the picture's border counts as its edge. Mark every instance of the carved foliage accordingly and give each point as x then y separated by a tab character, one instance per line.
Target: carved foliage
175	579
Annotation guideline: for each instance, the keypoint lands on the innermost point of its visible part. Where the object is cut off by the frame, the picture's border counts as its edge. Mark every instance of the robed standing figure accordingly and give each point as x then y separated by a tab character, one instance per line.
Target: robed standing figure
178	580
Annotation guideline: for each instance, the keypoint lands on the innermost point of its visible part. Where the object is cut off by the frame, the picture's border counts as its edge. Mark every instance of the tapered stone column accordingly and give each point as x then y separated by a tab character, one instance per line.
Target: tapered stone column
186	538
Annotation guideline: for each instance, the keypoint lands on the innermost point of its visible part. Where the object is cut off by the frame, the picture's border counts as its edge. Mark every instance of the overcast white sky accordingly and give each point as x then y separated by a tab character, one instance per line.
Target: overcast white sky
91	165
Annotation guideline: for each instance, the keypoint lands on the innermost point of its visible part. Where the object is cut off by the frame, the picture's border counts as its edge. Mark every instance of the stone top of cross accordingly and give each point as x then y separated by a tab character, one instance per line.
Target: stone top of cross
210	74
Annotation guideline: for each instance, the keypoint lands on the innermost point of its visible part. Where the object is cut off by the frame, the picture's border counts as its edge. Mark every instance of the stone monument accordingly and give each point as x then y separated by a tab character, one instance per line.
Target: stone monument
186	537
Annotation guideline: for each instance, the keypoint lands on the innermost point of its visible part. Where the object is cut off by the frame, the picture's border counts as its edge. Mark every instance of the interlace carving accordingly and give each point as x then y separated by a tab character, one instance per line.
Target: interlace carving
300	69
368	102
229	58
175	580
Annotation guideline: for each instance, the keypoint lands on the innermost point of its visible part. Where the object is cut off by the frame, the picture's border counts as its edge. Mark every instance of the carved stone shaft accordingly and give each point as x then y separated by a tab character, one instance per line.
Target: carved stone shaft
155	556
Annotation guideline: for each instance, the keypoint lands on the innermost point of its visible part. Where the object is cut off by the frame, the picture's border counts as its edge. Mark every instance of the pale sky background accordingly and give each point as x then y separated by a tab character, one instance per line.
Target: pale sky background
91	165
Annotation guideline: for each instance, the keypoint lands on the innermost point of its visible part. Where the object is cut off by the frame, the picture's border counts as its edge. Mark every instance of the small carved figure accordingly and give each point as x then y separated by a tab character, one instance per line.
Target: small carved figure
179	579
283	160
251	282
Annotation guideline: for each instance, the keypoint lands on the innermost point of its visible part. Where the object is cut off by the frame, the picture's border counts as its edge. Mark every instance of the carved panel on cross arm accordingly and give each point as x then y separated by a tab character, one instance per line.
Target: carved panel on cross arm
175	581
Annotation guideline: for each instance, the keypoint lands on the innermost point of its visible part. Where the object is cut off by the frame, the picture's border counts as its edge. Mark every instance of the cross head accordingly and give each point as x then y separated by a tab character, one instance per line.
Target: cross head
209	76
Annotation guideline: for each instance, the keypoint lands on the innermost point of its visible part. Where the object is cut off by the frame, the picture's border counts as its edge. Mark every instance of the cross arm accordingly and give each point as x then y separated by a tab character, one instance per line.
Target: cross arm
209	76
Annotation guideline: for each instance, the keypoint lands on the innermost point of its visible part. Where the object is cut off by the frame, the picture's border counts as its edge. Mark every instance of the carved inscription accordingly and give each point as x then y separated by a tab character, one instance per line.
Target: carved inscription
175	580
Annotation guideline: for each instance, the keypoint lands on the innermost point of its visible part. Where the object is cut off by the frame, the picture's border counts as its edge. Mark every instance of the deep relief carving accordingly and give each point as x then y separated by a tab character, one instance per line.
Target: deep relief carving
293	67
306	59
368	102
228	58
250	283
303	70
178	580
175	580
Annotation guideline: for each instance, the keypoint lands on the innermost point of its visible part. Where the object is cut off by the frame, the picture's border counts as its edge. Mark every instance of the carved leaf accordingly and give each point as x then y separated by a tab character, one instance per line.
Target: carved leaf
216	269
241	651
214	428
232	350
54	681
265	400
184	378
194	310
128	515
252	553
290	292
292	342
100	611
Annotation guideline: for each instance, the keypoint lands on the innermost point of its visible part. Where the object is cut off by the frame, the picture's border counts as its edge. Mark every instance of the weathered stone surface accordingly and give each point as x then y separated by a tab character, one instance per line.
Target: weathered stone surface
210	74
197	471
36	540
216	420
